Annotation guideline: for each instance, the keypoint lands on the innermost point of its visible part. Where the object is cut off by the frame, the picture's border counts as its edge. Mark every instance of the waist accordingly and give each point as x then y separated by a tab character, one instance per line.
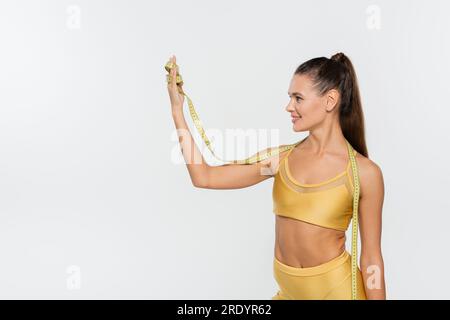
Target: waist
326	266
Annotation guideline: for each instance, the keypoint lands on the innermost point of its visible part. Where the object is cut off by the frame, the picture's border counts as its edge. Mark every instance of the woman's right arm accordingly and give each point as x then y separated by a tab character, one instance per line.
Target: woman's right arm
228	176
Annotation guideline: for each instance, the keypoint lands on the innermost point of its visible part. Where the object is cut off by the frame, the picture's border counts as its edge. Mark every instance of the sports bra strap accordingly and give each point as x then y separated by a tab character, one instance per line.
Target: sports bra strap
280	162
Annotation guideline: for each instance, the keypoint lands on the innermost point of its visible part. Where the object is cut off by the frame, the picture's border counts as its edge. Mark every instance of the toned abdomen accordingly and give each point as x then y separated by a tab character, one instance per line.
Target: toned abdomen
302	244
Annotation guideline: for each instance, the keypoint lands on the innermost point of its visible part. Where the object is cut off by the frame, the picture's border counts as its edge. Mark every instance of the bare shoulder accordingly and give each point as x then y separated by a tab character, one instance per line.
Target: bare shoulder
273	162
370	175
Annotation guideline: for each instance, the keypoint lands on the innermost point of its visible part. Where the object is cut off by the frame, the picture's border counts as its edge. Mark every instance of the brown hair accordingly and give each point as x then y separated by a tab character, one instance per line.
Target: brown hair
338	73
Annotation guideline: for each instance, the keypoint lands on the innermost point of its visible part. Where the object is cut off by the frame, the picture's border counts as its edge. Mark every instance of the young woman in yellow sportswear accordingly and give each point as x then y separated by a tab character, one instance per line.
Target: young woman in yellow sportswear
313	185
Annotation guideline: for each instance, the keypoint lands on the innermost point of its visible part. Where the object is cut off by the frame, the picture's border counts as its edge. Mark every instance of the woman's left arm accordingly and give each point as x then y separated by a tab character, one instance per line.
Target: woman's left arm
370	225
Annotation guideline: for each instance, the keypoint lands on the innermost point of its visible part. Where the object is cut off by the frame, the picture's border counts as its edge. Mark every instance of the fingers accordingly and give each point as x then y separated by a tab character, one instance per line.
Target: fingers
175	90
173	73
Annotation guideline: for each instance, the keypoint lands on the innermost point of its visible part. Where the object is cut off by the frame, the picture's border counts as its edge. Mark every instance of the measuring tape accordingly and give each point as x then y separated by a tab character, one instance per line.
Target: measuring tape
253	159
356	190
258	157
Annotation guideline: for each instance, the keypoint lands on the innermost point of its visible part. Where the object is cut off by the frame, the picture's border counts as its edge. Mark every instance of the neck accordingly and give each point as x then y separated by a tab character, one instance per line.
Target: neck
328	139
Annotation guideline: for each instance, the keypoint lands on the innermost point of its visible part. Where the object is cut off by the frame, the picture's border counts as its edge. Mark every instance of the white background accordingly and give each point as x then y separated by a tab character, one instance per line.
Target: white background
94	202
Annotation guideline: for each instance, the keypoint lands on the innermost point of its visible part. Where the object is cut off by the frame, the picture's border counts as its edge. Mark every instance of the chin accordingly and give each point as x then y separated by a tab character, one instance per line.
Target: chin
300	129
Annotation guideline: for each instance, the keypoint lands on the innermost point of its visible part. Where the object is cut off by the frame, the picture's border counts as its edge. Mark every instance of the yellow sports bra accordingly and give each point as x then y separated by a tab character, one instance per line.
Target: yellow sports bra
328	204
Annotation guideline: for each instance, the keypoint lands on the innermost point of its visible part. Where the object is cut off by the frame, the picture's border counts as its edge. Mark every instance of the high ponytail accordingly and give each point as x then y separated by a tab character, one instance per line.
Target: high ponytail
338	73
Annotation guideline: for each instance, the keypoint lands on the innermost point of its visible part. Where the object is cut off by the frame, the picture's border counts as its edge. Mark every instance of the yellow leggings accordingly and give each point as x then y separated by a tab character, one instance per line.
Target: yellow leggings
331	280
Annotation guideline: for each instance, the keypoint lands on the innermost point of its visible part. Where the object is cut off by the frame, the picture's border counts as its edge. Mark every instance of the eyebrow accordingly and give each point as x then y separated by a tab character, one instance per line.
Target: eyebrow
295	93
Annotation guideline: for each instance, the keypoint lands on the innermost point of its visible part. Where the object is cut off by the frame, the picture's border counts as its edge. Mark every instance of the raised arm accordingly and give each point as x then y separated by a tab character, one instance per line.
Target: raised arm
228	176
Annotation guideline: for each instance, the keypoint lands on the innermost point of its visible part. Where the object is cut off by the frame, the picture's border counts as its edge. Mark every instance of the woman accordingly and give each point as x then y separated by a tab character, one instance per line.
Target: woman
313	185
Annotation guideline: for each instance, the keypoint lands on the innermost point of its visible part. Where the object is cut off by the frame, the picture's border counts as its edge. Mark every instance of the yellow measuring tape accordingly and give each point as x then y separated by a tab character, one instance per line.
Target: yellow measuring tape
259	157
356	190
255	158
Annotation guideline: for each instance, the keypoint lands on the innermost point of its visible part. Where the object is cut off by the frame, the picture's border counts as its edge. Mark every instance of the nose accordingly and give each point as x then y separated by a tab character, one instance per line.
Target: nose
290	108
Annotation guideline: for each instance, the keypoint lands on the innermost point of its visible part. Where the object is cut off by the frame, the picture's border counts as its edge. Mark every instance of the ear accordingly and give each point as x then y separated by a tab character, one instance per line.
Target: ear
331	99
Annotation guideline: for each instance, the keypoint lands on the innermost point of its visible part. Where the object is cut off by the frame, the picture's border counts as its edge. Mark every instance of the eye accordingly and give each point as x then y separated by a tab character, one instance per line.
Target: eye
297	98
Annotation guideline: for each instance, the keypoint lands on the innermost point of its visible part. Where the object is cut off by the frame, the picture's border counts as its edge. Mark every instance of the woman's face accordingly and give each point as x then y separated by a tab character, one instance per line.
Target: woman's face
307	109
